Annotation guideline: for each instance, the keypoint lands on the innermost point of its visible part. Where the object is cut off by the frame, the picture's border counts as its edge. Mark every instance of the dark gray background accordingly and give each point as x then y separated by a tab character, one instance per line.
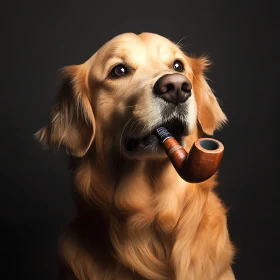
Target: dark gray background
42	36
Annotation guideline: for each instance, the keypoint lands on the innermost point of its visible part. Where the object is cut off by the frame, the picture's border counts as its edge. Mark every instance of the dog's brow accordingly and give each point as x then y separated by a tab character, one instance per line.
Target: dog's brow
165	53
122	55
115	59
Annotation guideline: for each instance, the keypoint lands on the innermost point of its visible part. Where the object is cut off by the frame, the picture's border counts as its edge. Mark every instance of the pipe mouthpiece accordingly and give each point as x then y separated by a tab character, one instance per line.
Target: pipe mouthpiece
163	134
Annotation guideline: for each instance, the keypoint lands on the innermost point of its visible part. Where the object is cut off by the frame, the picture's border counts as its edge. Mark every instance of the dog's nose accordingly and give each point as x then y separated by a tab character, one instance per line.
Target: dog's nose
174	88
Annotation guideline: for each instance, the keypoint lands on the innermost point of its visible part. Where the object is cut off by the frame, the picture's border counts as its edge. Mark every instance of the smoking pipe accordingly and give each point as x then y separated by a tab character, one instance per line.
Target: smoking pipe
200	163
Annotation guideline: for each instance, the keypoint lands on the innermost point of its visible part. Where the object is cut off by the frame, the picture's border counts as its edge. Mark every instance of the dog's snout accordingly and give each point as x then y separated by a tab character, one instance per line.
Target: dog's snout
174	88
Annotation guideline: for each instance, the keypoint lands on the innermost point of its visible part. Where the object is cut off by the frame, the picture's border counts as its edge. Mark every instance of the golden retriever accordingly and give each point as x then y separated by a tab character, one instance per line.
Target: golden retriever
136	218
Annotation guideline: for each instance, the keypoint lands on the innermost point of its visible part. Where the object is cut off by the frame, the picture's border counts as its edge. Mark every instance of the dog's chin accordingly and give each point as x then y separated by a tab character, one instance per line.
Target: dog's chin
149	146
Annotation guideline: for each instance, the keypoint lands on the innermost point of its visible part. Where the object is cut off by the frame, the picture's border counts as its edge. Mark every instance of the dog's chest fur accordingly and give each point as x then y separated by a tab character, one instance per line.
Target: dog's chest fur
164	229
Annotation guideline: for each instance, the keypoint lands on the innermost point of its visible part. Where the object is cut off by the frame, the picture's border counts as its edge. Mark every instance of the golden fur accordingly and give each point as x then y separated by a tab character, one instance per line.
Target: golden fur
136	218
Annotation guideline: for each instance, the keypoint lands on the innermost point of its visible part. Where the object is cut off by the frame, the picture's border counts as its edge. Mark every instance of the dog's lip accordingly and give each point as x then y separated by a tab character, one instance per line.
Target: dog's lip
150	141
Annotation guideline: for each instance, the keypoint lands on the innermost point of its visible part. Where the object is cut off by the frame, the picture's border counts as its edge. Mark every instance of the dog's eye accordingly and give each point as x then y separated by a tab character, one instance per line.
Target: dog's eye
118	71
178	66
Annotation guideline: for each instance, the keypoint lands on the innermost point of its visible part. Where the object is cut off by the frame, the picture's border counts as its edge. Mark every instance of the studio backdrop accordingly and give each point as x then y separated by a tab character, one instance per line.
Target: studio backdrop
40	37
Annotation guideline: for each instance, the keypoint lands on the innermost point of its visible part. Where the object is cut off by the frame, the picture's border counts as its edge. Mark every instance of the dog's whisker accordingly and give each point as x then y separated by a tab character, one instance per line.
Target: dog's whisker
178	43
152	179
130	106
122	132
124	127
136	126
133	127
143	130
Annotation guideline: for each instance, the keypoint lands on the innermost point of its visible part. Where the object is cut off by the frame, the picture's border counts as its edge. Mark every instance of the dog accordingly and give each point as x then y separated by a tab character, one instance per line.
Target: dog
136	217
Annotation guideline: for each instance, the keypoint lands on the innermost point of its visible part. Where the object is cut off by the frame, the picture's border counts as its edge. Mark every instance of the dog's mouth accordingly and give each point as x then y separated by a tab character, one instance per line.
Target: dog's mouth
149	143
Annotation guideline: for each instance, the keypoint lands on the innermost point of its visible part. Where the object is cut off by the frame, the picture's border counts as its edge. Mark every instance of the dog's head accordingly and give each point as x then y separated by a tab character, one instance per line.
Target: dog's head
128	88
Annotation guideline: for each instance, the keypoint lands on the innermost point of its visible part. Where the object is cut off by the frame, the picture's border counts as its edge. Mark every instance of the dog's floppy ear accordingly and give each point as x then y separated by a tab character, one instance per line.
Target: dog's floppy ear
71	121
210	114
